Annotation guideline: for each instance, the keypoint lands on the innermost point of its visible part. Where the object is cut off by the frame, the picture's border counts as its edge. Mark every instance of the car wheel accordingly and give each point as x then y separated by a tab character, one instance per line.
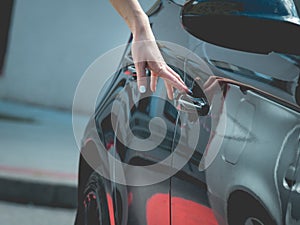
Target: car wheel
253	217
95	202
250	212
254	221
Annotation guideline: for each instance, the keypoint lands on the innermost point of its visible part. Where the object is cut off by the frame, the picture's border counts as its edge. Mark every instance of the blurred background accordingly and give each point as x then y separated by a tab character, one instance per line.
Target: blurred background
45	48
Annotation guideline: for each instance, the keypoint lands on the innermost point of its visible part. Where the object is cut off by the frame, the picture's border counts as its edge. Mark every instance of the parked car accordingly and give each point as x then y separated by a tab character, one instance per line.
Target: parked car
227	154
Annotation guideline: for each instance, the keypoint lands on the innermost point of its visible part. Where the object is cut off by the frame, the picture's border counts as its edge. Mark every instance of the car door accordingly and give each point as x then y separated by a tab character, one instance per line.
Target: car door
131	134
189	199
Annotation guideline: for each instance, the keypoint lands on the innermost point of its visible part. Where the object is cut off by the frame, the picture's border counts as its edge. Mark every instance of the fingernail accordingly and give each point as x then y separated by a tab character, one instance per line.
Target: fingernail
142	89
190	92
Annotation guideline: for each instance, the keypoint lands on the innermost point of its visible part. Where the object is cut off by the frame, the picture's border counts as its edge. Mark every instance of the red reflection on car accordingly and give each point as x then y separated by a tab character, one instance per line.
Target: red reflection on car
183	211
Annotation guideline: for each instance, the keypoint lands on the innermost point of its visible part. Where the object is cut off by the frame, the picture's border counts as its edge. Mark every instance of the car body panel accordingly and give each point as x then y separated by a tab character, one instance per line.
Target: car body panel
248	145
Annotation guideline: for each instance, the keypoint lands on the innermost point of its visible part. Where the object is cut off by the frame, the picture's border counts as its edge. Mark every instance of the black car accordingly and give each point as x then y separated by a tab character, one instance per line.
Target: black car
226	154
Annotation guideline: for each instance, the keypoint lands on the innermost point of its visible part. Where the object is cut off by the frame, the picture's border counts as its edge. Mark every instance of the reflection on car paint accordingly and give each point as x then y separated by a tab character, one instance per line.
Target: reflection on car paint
183	211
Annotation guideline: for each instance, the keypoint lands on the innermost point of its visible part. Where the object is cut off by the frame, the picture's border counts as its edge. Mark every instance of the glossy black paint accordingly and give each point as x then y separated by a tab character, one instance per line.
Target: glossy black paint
261	111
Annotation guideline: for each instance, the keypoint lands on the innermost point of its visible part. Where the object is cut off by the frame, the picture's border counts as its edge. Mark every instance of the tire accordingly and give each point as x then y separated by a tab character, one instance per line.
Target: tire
250	212
95	207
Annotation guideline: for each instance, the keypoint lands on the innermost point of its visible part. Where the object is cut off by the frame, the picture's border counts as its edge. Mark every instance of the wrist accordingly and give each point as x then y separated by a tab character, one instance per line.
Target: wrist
142	29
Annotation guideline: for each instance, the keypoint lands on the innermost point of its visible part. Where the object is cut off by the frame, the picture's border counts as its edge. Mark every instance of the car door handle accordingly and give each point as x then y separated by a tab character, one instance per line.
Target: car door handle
189	103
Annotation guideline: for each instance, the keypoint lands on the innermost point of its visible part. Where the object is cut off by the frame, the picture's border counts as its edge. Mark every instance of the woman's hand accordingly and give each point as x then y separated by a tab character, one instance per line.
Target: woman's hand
145	52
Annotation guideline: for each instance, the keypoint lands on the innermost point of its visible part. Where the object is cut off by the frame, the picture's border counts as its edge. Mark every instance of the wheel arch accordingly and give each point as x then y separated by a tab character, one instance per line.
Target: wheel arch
100	164
85	170
243	196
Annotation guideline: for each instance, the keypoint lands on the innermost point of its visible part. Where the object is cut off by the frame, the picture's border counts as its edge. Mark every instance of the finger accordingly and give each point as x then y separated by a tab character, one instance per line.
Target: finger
174	78
169	89
153	82
141	76
178	85
175	74
178	82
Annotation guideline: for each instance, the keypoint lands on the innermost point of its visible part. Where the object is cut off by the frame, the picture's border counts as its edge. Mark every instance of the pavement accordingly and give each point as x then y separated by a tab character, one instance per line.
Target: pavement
27	214
38	155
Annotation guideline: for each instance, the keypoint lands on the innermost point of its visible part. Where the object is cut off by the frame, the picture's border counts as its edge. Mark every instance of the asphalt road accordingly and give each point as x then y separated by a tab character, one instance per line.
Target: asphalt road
16	214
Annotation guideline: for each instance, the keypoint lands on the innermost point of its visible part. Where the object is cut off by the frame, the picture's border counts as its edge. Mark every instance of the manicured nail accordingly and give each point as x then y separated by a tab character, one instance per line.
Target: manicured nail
190	92
142	89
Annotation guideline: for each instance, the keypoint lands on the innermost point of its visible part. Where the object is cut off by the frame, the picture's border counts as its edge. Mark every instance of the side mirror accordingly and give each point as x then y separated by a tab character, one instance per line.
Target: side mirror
258	26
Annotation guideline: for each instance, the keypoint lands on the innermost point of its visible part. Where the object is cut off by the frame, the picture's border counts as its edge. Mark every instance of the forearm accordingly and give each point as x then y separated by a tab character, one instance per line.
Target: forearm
134	16
145	52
